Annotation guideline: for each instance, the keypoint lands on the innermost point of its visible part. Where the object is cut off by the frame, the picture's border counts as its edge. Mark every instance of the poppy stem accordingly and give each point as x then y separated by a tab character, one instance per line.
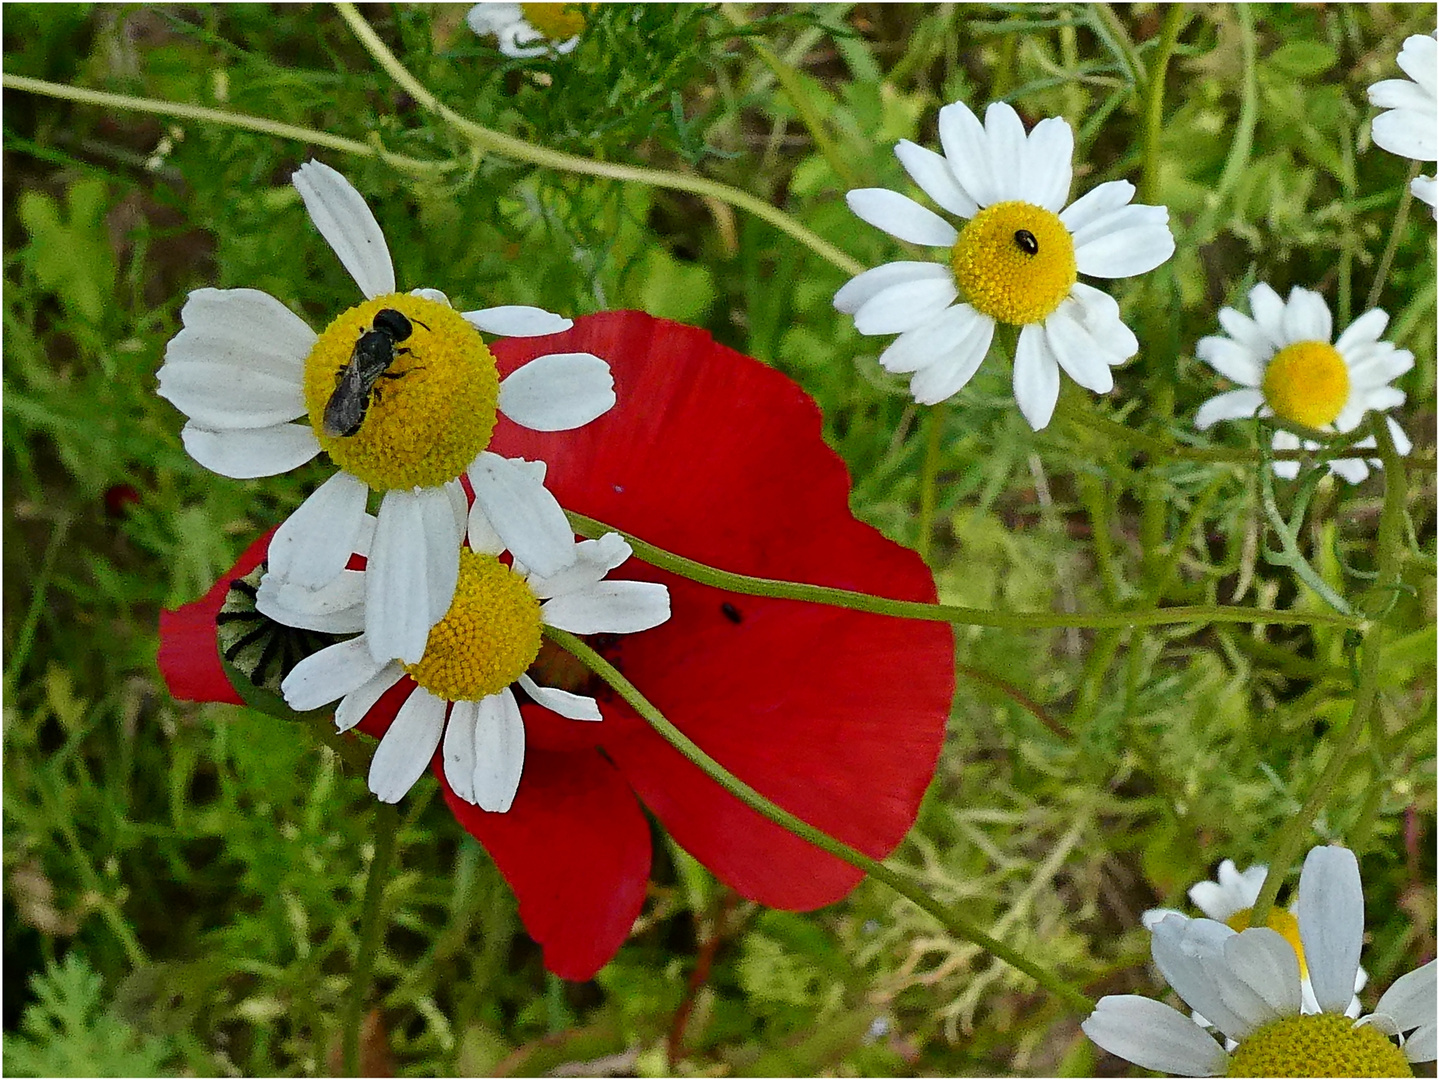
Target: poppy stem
1390	542
485	139
910	890
387	824
960	616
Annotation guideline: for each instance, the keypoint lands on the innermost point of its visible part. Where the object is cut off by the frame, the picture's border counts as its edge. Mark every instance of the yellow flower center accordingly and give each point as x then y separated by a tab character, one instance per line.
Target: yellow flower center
1280	921
1014	262
1324	1044
487	639
558	22
416	390
1307	383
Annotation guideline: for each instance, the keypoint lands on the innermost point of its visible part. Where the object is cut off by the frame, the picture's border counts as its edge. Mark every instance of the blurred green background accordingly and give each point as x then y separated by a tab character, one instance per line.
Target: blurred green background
182	883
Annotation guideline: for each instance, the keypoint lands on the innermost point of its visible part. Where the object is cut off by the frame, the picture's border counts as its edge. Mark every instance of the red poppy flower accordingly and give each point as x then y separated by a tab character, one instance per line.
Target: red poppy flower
836	715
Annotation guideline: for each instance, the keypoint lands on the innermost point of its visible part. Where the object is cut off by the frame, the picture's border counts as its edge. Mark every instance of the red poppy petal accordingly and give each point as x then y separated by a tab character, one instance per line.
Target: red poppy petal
189	654
576	850
836	715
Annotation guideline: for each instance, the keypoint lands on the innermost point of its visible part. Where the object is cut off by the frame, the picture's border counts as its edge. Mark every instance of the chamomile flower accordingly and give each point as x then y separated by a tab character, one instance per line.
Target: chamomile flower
1409	126
1230	900
1016	259
1248	984
461	687
244	367
1285	366
525	30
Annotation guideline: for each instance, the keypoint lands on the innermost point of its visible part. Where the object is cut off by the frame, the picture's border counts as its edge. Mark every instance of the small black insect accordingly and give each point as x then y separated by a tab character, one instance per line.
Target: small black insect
732	613
1025	241
368	364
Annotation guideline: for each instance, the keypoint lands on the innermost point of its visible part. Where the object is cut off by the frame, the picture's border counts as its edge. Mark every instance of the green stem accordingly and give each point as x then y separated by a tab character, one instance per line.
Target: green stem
222	116
387	825
1175	19
1243	141
948	613
948	918
1396	233
793	86
929	476
486	139
1390	542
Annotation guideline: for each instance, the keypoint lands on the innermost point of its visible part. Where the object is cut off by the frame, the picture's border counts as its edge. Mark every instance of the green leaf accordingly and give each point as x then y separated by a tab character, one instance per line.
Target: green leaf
1302	59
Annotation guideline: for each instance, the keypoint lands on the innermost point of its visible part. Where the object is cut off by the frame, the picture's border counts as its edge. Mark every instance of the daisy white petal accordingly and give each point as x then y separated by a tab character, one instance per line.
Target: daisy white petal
1424	190
1331	923
1351	470
490	17
1232	893
1075	349
459	748
1401	440
1234	361
946	338
1049	163
480	534
1036	377
1367	329
1187	953
1096	204
408	745
250	452
335	608
1385	397
359	701
558	392
901	217
1284	440
1384	366
316	541
517	320
245	328
398	596
1267	307
609	607
862	288
935	178
905	307
570	706
1247	333
443	528
432	294
1232	405
1004	131
220	396
345	221
1128	241
330	674
1267	966
523	513
593	560
1154	1036
966	148
499	751
1306	317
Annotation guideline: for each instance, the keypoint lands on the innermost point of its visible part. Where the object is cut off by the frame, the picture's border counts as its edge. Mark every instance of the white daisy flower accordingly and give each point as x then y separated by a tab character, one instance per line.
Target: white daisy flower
1016	260
460	689
1248	984
401	392
1230	900
1410	125
525	30
1286	367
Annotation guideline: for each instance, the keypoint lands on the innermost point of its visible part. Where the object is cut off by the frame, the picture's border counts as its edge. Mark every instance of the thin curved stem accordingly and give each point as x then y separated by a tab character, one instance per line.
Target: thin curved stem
1396	232
387	825
487	139
244	121
948	613
952	921
1175	18
1390	542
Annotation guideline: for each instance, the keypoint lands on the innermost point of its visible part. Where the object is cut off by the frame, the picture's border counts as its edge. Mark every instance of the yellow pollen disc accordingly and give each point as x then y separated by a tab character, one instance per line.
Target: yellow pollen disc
430	413
1307	383
1014	262
558	22
487	639
1281	921
1324	1044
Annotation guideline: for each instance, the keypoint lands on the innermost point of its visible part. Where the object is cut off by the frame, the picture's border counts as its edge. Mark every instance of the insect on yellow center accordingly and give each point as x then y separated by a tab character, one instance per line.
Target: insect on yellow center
1014	262
1324	1044
425	414
1280	921
1308	383
487	639
558	22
